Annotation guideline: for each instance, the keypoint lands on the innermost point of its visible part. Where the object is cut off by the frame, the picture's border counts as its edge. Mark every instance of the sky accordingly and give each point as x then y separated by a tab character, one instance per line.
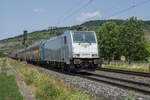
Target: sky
32	15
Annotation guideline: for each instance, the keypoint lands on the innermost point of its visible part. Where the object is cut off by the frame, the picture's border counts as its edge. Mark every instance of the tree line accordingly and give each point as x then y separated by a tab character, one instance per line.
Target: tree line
125	40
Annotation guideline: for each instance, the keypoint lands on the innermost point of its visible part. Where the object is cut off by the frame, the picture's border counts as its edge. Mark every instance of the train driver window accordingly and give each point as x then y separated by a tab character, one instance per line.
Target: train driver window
65	40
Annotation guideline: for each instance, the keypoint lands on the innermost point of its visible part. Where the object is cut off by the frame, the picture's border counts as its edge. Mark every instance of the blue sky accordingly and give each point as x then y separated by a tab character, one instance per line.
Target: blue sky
32	15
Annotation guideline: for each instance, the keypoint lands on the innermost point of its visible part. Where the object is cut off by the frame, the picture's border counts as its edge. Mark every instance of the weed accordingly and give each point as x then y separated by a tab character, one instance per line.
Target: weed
128	68
130	96
45	86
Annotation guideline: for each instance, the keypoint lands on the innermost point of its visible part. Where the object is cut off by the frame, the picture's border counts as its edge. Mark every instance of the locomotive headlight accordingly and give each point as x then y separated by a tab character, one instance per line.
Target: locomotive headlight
94	55
76	55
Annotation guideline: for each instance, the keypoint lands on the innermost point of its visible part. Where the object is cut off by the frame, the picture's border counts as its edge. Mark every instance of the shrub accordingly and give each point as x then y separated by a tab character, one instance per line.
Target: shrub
2	54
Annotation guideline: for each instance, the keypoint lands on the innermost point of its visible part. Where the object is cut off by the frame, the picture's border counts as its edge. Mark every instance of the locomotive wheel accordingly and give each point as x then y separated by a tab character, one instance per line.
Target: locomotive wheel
68	68
62	67
71	68
96	66
65	67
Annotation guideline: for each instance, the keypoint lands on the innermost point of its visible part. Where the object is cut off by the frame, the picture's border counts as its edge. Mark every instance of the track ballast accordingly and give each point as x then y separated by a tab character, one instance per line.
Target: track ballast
119	82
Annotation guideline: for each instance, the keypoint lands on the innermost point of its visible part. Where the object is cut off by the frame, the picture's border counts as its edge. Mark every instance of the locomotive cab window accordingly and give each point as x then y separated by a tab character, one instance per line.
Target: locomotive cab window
84	37
65	40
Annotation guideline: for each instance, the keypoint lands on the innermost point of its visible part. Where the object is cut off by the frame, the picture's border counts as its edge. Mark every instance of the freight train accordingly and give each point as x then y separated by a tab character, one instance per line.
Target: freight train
72	50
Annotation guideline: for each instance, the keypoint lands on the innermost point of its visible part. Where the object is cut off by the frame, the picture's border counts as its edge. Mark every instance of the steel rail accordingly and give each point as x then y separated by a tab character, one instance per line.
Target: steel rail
143	74
120	79
116	81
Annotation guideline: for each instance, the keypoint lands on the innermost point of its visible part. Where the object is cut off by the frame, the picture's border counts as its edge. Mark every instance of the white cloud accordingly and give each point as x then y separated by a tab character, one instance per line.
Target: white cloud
38	10
85	16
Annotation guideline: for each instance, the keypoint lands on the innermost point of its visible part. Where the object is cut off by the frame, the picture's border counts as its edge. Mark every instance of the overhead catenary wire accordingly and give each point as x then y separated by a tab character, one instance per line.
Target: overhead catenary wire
114	14
68	11
76	11
131	7
106	10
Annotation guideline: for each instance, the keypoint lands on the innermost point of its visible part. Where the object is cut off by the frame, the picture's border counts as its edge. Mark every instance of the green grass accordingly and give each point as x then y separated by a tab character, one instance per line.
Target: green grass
8	86
128	68
46	87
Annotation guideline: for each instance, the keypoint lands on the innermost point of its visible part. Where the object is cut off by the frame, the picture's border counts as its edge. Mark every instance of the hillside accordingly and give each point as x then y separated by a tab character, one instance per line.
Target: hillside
97	23
11	45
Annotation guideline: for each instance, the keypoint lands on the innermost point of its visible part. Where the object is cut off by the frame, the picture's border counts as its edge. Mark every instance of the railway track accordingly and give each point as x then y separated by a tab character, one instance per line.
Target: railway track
143	74
141	88
111	80
122	83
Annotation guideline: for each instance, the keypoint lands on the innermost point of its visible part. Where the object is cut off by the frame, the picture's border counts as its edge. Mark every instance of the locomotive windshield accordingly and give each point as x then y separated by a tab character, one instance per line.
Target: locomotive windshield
84	37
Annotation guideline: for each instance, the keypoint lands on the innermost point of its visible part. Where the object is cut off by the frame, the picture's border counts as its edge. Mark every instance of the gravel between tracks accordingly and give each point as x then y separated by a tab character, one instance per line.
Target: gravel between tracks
100	91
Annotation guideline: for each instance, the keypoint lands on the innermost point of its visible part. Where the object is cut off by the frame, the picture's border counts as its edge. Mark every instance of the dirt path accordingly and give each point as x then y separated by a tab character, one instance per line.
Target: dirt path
23	88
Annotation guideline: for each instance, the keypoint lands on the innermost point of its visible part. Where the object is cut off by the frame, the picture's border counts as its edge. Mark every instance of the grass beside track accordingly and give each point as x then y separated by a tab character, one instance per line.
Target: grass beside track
9	89
44	86
128	68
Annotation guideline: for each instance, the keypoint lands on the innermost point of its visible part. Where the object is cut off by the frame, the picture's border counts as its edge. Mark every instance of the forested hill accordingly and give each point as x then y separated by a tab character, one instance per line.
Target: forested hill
91	25
146	24
95	24
100	22
14	44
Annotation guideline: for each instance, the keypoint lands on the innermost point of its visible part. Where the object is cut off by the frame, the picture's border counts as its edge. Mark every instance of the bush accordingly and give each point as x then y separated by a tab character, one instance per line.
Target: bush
2	54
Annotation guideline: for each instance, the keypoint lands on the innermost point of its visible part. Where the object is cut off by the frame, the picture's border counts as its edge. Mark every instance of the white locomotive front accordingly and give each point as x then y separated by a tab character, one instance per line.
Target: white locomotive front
75	49
85	49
